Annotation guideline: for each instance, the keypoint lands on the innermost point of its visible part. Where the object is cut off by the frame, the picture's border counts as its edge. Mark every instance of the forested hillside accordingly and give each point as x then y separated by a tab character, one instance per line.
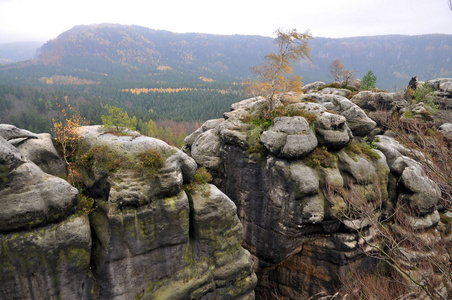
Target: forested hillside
155	74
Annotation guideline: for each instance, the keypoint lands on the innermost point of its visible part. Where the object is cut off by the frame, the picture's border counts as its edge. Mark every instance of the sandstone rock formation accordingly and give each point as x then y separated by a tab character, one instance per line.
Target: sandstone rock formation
292	205
45	252
145	237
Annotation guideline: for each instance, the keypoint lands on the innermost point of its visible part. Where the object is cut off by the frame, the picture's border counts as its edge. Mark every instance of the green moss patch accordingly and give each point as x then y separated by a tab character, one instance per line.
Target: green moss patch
365	149
320	157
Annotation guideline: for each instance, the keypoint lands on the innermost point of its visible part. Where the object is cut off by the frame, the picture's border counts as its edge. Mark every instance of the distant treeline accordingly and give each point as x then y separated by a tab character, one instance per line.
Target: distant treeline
182	109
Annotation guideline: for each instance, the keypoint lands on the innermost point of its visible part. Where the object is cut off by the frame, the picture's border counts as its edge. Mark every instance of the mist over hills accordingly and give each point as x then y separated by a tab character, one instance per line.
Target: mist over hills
14	52
138	54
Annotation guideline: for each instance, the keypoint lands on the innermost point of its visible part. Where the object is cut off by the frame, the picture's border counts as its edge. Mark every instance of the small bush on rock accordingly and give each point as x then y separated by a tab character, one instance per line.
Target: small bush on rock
200	184
104	158
150	161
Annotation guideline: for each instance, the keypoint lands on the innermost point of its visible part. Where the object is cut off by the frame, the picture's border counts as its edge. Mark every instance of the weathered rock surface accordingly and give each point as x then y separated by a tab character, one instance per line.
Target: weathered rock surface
291	206
289	137
374	101
41	151
44	254
154	240
332	131
30	197
357	120
145	237
9	132
49	262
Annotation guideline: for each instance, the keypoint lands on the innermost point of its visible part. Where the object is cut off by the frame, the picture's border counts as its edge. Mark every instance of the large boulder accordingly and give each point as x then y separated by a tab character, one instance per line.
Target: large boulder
42	152
357	120
332	131
30	197
52	262
416	190
374	101
143	228
289	137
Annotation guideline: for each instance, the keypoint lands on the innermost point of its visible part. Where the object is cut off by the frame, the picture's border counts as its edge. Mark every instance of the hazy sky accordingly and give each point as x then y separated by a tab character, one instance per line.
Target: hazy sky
42	20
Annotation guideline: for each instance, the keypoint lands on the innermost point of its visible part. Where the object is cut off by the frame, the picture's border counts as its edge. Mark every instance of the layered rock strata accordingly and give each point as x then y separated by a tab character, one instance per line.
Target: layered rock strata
145	237
293	204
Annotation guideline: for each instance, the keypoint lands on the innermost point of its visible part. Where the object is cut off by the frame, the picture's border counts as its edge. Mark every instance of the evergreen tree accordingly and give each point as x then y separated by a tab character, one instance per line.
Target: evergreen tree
369	80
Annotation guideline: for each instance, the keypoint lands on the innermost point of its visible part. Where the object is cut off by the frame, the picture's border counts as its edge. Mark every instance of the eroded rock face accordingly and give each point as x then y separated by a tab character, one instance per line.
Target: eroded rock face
30	197
357	120
291	206
45	250
42	152
49	262
153	240
144	238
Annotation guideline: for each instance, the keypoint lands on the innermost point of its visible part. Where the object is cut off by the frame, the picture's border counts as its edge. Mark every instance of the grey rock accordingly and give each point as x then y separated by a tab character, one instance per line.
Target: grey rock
358	122
152	240
129	187
424	195
298	145
313	209
362	171
378	100
30	197
334	91
210	124
289	137
9	132
392	150
312	86
306	180
423	222
42	152
446	130
50	263
273	140
206	150
332	131
309	107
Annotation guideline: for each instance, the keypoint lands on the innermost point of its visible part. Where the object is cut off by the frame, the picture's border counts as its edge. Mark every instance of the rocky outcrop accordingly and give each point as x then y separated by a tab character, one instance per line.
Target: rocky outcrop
357	120
45	248
149	232
153	239
292	206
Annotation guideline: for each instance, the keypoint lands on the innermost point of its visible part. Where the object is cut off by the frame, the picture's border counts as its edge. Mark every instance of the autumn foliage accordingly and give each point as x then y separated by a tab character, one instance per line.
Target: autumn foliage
66	130
340	74
275	75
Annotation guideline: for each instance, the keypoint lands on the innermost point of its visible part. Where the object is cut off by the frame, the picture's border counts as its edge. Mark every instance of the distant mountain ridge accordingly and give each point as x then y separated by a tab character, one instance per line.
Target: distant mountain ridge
14	52
134	53
139	48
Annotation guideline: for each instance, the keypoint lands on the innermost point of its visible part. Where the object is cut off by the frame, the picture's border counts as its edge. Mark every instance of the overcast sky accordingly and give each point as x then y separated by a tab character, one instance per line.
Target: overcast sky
41	20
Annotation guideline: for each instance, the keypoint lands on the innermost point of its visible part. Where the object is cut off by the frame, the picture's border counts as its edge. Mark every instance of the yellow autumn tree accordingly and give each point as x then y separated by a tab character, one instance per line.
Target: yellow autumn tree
66	129
275	76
